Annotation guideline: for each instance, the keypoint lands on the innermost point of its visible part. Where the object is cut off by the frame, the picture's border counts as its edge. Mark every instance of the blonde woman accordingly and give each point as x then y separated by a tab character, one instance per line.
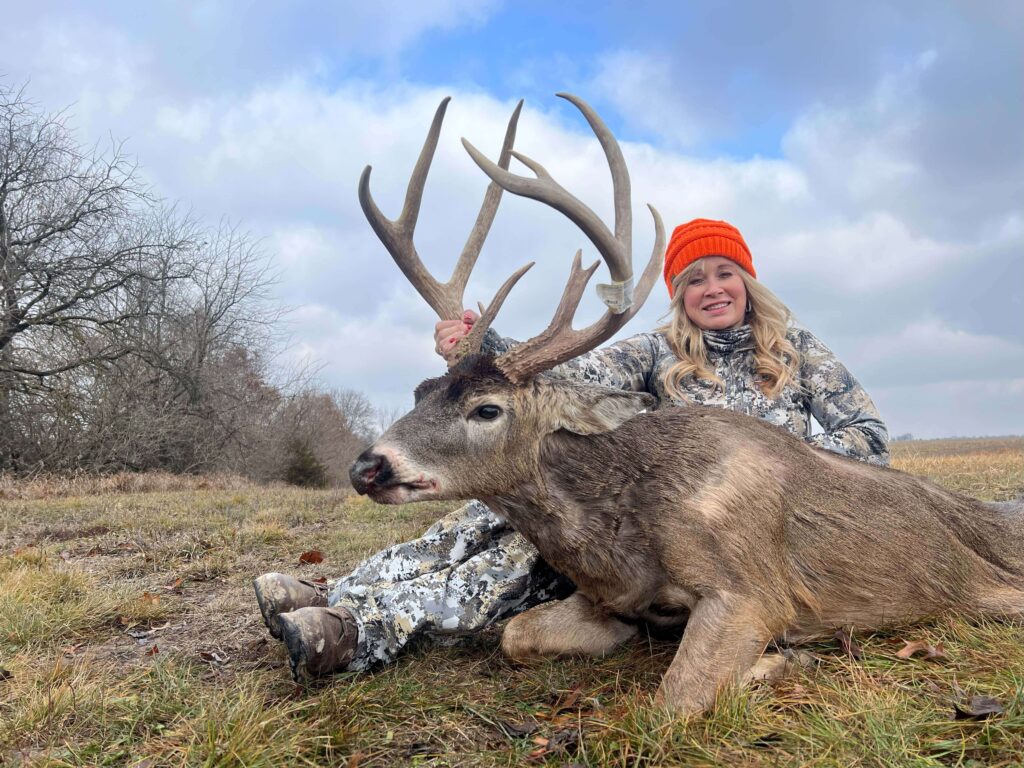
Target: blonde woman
729	344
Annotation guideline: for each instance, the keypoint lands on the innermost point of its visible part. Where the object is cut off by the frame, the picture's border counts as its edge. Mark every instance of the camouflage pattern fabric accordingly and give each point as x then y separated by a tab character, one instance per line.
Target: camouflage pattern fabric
824	389
471	569
467	571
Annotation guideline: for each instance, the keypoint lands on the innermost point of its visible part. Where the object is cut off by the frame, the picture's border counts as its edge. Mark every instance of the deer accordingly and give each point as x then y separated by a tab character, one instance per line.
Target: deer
679	516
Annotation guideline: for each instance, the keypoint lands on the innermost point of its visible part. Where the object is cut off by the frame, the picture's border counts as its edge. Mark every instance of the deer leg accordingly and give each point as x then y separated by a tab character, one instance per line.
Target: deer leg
563	627
723	641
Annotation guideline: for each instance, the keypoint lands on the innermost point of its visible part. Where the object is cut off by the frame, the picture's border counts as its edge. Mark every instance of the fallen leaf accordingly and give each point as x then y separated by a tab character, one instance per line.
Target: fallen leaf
319	580
176	586
153	651
212	657
977	708
540	740
150	599
922	647
312	557
847	643
355	760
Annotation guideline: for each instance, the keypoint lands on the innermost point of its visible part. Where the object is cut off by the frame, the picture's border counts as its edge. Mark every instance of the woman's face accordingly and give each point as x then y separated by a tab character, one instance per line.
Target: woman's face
715	298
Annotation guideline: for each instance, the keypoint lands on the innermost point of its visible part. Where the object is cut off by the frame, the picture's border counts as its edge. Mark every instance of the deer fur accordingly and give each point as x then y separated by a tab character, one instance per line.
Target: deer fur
693	515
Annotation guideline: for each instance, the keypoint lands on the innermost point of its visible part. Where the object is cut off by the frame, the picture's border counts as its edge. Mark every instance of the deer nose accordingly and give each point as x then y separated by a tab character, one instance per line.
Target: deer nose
368	470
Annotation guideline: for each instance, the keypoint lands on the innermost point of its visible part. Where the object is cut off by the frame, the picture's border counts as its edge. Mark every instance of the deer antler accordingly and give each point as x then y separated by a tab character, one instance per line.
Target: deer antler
560	342
445	299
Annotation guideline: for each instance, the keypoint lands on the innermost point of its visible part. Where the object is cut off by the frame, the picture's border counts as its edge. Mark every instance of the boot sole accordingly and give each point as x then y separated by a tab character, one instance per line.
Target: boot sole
292	637
273	626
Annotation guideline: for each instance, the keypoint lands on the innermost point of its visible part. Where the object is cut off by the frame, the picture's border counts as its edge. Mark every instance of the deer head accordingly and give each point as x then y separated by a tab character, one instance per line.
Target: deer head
477	431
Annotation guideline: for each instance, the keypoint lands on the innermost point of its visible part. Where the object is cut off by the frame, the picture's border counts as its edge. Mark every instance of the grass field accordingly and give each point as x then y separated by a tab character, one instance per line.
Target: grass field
129	636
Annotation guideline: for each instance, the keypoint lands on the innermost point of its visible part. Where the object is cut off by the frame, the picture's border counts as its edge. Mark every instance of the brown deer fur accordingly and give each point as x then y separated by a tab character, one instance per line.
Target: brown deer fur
693	512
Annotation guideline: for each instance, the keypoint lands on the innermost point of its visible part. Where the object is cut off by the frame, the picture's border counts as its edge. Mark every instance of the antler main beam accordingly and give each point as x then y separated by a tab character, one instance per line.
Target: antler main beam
446	299
560	342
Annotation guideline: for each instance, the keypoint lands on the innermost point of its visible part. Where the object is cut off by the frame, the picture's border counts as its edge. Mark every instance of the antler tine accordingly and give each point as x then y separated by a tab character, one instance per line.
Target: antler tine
560	342
472	341
445	299
397	235
475	241
621	189
615	249
546	190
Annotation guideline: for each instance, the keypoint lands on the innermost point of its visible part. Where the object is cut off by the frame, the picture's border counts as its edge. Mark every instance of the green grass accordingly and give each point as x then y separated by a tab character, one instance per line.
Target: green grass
111	605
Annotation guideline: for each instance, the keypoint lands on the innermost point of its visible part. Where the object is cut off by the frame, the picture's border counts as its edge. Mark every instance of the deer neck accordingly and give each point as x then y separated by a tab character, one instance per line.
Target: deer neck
549	509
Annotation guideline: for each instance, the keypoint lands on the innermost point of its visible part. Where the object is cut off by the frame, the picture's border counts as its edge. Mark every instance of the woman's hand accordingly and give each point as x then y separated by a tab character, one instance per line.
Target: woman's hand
448	333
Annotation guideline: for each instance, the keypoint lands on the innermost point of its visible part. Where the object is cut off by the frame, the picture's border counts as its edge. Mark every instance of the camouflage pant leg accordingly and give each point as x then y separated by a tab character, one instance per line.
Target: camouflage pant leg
455	537
504	577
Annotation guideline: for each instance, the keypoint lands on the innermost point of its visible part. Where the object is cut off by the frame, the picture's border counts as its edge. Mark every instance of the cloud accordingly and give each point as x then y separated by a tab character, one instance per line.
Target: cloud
888	217
930	351
639	86
953	409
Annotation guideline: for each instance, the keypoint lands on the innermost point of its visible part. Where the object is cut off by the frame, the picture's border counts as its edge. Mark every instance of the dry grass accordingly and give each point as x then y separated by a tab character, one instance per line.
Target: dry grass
986	468
49	486
129	637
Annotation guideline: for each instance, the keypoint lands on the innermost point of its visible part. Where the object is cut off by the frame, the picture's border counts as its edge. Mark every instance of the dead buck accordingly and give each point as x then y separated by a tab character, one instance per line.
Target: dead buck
697	515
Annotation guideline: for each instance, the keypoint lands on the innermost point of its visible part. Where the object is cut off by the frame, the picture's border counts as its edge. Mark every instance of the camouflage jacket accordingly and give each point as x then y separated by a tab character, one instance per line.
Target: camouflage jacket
824	389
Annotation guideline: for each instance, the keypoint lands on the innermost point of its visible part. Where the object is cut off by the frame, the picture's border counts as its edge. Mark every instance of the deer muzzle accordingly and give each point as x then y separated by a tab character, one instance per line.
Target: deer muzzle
370	472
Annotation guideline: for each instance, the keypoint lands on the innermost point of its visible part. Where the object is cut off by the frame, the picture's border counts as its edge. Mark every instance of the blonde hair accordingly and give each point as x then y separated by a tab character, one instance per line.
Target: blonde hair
776	359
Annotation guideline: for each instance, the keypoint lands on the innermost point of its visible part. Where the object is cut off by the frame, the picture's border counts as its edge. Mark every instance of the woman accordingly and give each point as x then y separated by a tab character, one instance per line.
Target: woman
729	344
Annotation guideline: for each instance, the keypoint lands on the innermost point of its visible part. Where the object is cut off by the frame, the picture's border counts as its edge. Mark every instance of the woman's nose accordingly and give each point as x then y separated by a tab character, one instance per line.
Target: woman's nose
712	288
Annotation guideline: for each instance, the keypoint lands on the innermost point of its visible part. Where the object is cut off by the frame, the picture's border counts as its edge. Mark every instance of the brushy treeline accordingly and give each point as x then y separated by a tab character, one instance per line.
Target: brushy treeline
134	338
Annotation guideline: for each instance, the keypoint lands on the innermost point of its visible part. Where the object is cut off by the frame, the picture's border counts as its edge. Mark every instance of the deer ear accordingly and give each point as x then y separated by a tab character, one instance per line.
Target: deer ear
590	410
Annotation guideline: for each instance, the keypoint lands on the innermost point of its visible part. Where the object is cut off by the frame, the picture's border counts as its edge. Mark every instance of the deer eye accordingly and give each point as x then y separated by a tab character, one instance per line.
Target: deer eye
487	412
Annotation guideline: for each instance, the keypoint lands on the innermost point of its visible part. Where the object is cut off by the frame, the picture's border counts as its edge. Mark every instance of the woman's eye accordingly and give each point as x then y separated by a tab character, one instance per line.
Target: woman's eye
696	280
488	412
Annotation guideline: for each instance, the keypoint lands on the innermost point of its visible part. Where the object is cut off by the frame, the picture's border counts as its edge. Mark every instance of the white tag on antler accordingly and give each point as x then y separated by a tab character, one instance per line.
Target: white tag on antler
617	296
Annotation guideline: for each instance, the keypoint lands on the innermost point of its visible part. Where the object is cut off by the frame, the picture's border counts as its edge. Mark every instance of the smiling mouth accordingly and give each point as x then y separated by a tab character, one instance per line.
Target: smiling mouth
717	306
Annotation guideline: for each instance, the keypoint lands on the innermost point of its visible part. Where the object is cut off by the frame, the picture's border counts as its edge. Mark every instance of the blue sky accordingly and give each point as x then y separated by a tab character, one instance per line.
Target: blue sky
871	153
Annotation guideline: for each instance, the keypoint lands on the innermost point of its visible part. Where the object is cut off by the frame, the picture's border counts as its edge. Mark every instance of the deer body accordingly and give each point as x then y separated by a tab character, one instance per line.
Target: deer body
693	515
722	502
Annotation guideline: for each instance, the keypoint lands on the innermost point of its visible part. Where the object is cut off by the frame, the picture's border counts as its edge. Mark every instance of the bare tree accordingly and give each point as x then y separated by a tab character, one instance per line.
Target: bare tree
132	338
386	416
78	234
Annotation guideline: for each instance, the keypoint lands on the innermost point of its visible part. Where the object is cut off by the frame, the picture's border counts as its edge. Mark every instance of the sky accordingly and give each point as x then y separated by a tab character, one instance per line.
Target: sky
871	153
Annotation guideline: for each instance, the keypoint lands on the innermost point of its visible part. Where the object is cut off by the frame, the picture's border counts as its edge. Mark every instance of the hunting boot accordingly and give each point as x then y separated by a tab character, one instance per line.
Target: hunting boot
321	641
278	593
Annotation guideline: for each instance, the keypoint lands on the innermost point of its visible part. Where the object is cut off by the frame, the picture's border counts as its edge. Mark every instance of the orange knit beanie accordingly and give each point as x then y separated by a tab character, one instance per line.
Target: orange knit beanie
704	237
